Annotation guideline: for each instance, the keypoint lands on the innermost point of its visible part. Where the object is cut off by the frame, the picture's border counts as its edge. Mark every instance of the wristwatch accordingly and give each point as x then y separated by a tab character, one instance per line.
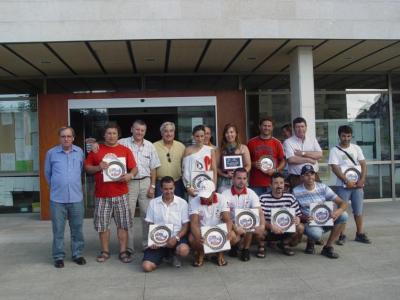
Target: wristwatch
303	153
153	186
177	238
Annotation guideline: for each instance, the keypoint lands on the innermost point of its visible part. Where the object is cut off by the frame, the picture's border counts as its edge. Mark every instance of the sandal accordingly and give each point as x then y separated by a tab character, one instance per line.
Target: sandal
125	257
221	262
261	251
286	249
198	260
103	256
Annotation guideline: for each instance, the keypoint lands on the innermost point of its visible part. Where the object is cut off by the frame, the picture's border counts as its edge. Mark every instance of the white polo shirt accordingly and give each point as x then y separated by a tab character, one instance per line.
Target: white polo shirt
247	199
209	215
294	143
337	157
145	155
176	213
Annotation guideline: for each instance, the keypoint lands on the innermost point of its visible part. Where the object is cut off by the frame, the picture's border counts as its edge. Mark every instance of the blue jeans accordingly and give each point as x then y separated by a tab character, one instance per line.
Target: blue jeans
179	189
356	196
315	232
73	212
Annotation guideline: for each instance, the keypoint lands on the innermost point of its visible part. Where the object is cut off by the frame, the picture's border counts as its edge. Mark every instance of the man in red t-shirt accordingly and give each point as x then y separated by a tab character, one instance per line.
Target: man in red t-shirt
111	196
262	148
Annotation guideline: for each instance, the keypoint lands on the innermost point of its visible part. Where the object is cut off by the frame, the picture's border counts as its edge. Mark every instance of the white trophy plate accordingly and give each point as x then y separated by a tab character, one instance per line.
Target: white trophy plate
321	213
283	218
267	163
215	238
116	168
248	219
159	234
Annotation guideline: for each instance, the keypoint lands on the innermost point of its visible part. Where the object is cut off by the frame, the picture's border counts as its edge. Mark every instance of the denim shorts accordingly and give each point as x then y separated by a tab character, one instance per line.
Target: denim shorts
356	196
315	232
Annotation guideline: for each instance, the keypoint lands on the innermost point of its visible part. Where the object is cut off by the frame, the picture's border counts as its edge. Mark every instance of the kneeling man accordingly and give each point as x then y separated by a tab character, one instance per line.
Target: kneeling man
310	192
208	208
241	197
167	209
277	198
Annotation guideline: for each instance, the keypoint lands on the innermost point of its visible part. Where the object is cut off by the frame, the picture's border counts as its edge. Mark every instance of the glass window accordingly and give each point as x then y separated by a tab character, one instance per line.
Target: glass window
19	157
379	182
396	125
367	113
397	179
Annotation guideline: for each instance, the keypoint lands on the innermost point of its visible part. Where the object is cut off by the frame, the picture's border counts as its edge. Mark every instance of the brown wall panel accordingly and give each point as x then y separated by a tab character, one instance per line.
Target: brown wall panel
53	113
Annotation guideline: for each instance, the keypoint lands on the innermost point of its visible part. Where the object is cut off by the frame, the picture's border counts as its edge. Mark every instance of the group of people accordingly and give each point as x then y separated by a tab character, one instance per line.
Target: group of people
191	187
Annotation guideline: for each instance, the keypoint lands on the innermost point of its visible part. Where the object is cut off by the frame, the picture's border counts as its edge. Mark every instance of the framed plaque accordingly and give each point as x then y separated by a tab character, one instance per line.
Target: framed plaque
232	162
248	219
198	177
116	168
283	218
267	163
215	238
159	234
352	174
321	213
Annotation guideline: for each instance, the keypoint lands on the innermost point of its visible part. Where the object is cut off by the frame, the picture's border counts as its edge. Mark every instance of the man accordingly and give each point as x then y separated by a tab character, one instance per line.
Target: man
301	150
310	192
241	197
277	198
111	197
142	187
264	145
167	209
207	209
286	131
347	155
63	170
170	152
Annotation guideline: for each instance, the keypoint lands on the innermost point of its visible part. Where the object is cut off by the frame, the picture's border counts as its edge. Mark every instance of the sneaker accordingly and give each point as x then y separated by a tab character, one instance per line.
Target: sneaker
176	262
245	255
80	261
309	248
342	240
59	263
233	252
328	252
362	238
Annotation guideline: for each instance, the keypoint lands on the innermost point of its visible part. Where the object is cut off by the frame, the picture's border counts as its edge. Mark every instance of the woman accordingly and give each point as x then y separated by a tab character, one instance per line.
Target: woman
198	163
230	145
208	138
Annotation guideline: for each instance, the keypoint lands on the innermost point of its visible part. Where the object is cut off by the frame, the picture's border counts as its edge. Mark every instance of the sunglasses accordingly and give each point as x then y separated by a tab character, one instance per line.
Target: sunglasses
169	157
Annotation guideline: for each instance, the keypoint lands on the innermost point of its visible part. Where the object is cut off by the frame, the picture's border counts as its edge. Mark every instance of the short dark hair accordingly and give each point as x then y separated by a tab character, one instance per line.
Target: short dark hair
287	127
61	129
239	170
262	120
278	175
198	128
166	179
112	125
345	129
299	120
139	122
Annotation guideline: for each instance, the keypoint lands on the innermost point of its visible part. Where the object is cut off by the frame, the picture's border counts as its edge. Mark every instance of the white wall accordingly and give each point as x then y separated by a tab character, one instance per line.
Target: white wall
69	20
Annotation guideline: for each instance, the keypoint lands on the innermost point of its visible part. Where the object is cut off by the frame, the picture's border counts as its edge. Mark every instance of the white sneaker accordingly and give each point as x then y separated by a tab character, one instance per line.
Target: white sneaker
176	261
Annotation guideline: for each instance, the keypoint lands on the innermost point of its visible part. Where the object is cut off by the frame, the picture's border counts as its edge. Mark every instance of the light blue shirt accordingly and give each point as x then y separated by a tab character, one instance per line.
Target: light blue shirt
63	173
320	193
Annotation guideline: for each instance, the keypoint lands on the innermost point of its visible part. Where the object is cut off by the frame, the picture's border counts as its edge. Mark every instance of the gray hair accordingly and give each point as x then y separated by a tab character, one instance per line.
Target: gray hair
165	124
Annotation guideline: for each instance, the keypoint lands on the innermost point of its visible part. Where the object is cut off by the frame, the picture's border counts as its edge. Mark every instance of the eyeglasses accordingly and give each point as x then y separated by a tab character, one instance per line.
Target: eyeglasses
169	157
66	136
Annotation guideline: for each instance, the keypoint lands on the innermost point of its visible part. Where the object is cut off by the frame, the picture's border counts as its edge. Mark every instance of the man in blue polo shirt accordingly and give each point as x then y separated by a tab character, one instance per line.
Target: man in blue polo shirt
63	170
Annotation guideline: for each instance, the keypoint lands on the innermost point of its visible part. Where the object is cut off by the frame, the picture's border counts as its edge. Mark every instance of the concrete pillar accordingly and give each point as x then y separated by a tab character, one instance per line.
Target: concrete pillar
302	86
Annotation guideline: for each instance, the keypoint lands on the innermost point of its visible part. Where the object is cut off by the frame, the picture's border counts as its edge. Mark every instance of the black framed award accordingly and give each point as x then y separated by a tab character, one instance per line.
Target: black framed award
321	213
232	162
159	234
248	219
283	218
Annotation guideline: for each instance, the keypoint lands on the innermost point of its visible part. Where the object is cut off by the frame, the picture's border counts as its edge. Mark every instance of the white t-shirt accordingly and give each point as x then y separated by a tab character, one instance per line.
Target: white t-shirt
294	143
176	213
337	157
249	199
209	215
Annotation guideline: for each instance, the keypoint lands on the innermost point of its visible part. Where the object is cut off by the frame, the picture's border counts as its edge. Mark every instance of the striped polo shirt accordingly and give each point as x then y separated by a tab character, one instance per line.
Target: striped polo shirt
268	202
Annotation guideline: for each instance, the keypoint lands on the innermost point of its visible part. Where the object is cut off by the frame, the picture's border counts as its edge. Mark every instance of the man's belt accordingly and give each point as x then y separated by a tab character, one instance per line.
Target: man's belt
141	178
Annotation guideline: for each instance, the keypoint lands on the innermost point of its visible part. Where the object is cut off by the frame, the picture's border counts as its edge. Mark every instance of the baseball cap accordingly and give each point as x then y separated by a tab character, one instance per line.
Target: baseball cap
206	188
306	169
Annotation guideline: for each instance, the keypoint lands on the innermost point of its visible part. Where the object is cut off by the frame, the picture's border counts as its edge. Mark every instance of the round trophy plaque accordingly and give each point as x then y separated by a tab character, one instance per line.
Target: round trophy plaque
352	174
283	219
160	235
267	163
246	219
215	238
115	170
198	179
321	213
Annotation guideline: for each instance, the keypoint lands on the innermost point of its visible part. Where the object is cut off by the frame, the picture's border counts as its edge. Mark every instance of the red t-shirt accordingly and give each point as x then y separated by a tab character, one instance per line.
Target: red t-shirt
259	147
113	188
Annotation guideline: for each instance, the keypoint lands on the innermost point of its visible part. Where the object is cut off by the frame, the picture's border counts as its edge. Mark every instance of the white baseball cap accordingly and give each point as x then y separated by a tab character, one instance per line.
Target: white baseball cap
206	188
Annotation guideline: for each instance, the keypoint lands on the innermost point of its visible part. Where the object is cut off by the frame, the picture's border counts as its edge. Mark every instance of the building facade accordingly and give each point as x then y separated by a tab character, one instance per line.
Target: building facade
84	63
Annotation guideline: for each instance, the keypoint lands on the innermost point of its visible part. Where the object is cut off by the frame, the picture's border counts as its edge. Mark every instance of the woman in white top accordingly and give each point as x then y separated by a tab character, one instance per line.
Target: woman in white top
198	163
230	145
